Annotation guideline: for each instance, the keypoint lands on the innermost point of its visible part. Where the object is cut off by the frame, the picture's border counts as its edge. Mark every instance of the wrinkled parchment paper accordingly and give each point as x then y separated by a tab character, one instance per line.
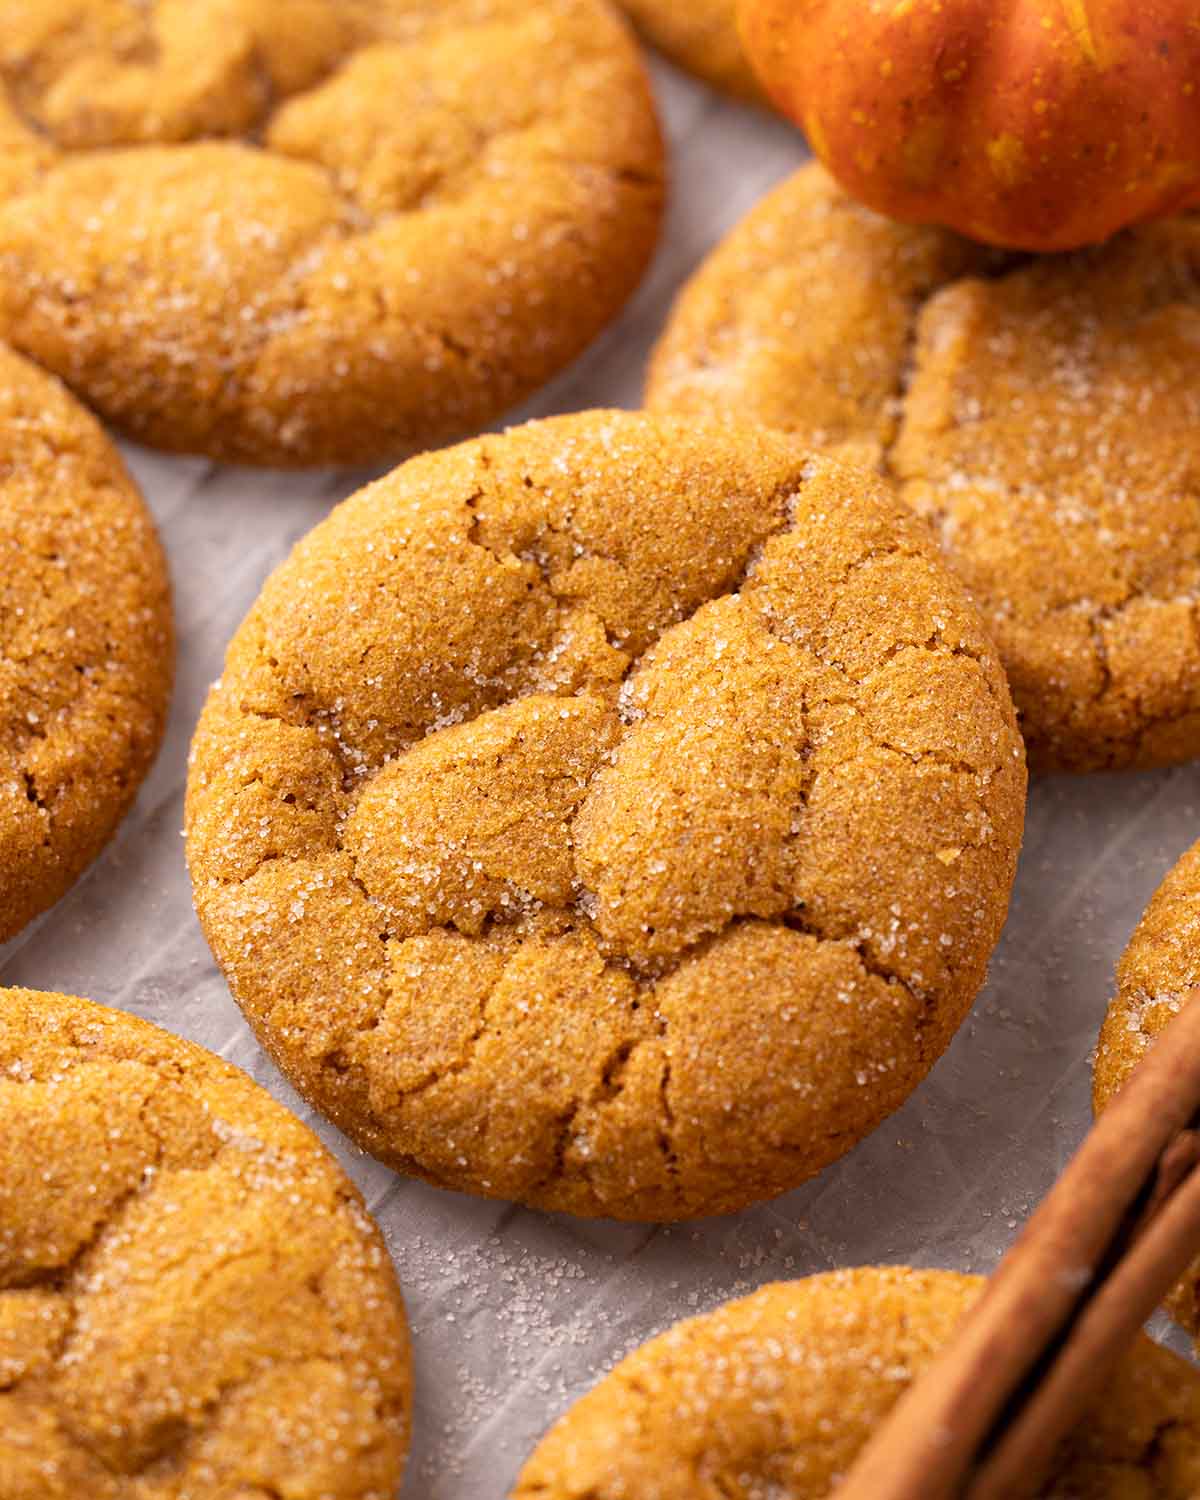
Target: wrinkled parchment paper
515	1313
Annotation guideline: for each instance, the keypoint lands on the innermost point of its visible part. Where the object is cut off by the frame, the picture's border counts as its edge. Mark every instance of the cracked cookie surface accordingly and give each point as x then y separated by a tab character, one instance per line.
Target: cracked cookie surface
86	642
194	1304
1041	415
329	231
616	815
700	36
775	1394
1159	966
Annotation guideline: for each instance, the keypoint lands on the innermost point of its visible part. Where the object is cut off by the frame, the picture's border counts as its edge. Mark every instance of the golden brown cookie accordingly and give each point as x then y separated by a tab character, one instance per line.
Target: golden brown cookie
1160	965
86	644
775	1395
702	37
1044	416
322	231
616	815
193	1301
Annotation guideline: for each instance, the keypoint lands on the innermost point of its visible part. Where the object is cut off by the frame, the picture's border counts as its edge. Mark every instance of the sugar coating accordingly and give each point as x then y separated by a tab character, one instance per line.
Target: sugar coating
327	231
86	641
701	36
194	1304
1159	966
616	815
1041	415
772	1397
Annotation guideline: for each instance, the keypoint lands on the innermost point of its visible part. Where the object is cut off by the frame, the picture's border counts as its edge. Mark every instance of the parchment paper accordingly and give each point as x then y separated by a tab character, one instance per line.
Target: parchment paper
515	1313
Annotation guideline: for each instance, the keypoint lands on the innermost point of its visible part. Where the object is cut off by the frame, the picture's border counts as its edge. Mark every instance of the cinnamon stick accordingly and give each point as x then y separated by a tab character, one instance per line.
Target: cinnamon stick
1114	1234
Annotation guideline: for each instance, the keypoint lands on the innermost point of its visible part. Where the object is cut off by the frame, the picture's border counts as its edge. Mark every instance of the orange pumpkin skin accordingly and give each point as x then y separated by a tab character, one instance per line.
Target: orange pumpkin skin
1034	124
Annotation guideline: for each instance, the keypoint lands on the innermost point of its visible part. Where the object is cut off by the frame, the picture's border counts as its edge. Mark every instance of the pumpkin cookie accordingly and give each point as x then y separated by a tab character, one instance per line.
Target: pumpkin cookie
320	232
193	1300
616	815
1044	416
777	1393
701	36
1160	965
85	641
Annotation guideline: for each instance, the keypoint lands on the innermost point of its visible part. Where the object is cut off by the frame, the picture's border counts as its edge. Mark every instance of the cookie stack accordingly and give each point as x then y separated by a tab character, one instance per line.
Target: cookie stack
614	815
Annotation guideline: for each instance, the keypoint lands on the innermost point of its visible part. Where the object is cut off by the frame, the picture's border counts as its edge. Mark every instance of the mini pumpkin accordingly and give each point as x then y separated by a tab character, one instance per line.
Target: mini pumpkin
1034	124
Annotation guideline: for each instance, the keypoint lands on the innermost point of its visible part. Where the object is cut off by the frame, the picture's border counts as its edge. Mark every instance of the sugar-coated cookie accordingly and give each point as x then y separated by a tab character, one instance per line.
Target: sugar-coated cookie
1159	966
324	230
616	815
86	644
1042	414
775	1395
193	1301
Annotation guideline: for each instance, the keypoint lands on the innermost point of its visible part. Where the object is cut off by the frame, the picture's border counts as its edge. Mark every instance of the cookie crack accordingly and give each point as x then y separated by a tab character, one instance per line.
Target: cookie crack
33	795
537	557
609	1085
666	1133
875	554
1155	1454
800	920
1095	623
897	401
360	885
178	1436
59	1278
929	756
466	1057
996	266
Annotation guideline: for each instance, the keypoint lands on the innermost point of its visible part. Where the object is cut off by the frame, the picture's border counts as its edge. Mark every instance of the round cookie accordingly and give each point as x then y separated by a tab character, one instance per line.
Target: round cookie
322	232
616	815
775	1395
1159	966
1043	415
86	641
701	36
193	1300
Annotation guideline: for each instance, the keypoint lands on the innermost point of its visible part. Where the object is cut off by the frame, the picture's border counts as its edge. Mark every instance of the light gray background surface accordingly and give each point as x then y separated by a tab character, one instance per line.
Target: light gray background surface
515	1313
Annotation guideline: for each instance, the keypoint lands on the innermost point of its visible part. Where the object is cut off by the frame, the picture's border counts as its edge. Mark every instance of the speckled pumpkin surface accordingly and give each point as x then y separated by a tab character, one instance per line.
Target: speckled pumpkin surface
1034	124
